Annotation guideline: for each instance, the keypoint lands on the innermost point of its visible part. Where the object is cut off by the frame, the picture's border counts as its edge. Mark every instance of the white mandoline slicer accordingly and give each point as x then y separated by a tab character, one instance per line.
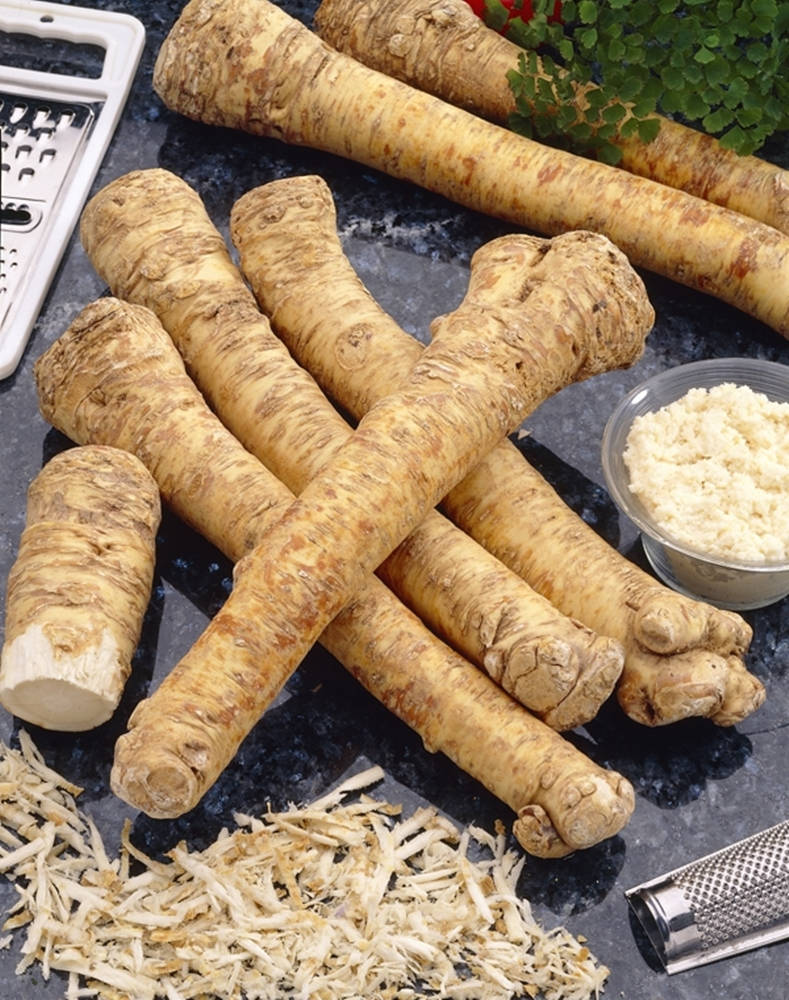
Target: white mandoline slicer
55	131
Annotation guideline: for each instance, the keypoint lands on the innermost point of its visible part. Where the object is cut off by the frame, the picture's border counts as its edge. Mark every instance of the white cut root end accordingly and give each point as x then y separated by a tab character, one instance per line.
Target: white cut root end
67	691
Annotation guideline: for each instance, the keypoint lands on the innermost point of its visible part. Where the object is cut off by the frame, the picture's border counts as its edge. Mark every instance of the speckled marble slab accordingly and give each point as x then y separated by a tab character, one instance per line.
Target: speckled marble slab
698	787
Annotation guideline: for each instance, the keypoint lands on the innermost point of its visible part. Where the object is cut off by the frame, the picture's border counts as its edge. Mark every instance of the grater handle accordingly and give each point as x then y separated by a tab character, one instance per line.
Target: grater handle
725	903
118	34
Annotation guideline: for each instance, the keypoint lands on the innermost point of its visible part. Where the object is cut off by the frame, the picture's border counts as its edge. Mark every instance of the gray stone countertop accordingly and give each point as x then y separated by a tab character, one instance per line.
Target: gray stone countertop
698	787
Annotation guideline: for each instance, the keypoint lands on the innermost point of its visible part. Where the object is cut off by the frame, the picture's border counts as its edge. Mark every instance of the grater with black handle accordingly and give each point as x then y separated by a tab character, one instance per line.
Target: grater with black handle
725	903
55	129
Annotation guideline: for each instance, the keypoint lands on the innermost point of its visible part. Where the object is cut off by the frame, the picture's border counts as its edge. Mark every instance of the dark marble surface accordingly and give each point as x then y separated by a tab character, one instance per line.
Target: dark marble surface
698	787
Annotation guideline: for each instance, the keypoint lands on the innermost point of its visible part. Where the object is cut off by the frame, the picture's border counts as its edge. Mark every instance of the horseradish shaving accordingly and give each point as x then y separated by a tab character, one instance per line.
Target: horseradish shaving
337	899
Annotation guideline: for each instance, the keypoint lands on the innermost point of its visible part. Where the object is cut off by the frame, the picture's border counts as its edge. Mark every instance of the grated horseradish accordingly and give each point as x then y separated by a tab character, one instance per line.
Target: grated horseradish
335	900
712	470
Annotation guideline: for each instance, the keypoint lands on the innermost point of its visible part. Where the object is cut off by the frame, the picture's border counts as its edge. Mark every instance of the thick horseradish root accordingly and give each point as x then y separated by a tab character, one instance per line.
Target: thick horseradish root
683	657
115	377
565	309
149	236
246	64
442	47
79	588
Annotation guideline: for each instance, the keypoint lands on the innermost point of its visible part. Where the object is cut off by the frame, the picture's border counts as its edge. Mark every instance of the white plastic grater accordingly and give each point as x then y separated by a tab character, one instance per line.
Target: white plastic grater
55	130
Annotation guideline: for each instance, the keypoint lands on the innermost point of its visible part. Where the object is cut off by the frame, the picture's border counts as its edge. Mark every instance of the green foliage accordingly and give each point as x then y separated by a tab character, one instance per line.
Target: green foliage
721	66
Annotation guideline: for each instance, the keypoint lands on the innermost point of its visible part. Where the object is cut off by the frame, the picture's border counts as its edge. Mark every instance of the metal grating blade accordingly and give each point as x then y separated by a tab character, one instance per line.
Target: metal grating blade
40	143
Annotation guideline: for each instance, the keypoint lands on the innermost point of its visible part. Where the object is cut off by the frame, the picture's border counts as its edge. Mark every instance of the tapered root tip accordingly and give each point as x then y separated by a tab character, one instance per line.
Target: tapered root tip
159	783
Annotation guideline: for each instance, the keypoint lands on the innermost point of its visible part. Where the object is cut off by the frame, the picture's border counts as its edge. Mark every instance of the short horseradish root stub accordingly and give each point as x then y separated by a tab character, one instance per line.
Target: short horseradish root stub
79	588
209	69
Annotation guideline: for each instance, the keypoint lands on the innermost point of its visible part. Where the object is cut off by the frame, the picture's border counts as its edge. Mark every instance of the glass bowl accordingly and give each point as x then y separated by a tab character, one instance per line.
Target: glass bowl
727	584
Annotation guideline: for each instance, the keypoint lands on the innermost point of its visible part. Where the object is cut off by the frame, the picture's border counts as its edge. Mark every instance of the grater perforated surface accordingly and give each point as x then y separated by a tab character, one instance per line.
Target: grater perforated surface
41	140
741	889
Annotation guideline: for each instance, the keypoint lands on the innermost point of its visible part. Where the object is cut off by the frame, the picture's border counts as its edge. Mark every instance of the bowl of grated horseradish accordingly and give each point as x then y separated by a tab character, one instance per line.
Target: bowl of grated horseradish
698	458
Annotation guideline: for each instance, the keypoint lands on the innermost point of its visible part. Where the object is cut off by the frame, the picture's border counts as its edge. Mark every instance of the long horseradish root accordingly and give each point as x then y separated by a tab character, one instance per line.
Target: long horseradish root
683	657
79	588
246	64
150	238
567	309
115	377
442	47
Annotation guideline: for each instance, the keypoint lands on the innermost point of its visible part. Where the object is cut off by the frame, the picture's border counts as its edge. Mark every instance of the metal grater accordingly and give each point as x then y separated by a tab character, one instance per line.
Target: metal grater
725	903
55	130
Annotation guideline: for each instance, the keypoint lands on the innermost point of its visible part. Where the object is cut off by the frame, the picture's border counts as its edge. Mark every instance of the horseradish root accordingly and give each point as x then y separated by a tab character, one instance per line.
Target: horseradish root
79	588
115	377
683	657
248	65
150	238
442	47
565	310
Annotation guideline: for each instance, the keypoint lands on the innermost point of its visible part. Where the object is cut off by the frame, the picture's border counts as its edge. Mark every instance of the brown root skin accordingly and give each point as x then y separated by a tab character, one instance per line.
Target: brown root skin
311	95
403	457
358	353
115	377
148	235
79	588
442	47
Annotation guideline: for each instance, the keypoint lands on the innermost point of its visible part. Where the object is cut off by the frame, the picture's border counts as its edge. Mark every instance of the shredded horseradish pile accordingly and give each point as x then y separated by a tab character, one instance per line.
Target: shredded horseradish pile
333	900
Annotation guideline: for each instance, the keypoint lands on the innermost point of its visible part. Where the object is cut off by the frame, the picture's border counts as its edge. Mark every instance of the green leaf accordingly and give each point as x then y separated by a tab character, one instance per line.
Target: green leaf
756	52
717	120
696	107
609	153
607	131
522	124
704	56
587	12
648	130
587	38
616	50
748	117
614	113
629	128
734	138
496	14
596	97
717	71
566	49
764	8
631	87
643	107
672	77
642	12
581	132
565	117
